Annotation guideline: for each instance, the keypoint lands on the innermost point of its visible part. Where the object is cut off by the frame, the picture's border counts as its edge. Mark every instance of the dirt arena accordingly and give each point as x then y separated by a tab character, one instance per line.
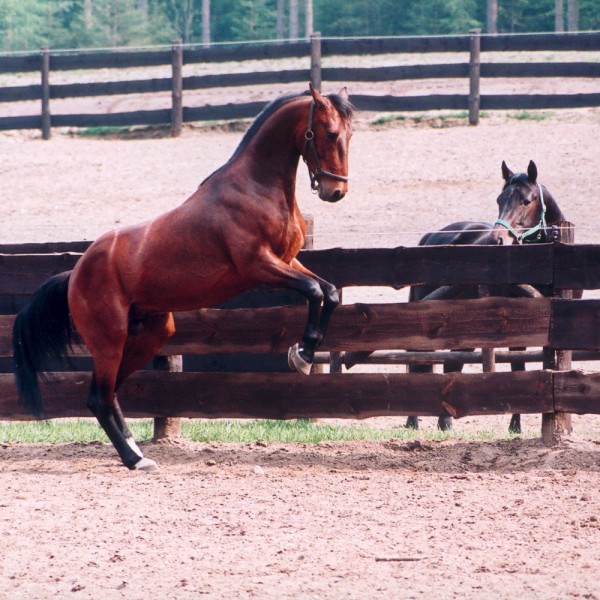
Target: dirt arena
452	519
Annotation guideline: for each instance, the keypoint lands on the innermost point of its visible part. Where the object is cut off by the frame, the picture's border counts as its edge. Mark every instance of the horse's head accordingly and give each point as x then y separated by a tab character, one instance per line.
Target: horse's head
525	208
325	143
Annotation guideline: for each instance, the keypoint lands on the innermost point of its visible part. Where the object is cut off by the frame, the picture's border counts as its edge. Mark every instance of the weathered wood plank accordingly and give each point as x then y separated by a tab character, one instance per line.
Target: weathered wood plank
538	101
395	267
577	392
547	69
439	265
117	119
541	42
388	103
456	324
575	325
290	396
487	322
577	266
23	274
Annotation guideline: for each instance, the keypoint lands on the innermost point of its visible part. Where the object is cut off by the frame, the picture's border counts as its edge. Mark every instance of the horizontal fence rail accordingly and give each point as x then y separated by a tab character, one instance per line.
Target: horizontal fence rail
472	69
251	326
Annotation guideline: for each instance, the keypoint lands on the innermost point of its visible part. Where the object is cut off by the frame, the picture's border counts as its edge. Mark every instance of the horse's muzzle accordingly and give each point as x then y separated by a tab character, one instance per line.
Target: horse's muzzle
331	193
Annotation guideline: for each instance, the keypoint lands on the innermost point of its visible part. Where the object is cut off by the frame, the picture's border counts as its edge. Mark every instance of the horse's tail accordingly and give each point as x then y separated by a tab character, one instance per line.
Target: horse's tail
42	332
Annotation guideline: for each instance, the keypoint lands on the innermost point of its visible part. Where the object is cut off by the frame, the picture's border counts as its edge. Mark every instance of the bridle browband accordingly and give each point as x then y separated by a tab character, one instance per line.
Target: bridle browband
539	229
309	142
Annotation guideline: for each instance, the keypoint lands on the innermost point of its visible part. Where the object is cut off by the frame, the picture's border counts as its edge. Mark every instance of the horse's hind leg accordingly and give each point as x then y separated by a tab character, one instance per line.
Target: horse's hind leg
515	421
102	403
146	336
412	422
110	342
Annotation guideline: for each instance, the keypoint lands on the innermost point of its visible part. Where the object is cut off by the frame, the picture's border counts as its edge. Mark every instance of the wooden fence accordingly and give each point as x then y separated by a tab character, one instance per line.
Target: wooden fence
471	70
556	324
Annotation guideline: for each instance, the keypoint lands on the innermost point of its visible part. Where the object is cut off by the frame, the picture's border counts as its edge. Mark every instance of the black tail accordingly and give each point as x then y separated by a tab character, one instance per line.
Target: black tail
42	332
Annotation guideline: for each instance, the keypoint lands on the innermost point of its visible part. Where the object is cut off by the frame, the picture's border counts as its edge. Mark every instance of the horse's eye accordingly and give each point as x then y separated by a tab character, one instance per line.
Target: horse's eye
526	201
332	135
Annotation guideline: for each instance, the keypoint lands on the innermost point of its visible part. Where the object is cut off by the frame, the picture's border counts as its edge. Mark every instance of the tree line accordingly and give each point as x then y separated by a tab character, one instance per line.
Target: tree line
26	25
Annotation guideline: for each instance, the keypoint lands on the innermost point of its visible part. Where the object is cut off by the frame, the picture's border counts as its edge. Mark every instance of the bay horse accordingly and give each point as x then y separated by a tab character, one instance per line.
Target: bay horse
242	227
526	209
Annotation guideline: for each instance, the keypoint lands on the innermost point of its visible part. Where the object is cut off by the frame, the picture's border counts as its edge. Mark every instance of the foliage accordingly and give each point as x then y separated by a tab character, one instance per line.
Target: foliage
301	431
29	24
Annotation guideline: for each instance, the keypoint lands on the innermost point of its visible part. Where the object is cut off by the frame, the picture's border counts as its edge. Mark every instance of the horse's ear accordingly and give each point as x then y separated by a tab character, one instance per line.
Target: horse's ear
343	93
532	172
506	172
317	96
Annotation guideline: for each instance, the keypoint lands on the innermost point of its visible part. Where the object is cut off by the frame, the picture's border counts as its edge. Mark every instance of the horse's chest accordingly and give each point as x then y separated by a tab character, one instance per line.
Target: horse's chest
291	243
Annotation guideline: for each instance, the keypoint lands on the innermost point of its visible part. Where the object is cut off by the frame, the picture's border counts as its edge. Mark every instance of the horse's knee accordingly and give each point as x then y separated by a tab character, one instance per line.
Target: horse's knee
314	293
331	297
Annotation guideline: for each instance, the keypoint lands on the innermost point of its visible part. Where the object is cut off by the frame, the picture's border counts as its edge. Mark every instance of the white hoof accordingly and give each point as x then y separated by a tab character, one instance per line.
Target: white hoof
295	361
147	465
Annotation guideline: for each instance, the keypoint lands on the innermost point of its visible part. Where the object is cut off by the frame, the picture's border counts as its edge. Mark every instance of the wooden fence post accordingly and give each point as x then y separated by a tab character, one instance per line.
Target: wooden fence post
474	72
176	87
488	355
167	427
557	425
315	60
45	68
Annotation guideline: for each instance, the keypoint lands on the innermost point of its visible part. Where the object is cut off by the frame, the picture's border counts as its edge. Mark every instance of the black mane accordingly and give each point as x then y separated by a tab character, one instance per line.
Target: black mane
341	104
266	112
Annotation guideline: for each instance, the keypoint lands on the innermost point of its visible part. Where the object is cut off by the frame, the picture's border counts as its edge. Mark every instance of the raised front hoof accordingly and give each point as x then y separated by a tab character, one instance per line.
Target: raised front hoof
297	362
145	464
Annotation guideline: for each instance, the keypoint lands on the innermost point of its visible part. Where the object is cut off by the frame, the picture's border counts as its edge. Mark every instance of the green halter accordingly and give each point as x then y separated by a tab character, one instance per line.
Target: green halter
537	231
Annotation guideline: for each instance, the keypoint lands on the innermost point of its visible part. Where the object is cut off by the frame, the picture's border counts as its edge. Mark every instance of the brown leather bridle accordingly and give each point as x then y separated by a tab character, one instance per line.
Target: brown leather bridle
309	142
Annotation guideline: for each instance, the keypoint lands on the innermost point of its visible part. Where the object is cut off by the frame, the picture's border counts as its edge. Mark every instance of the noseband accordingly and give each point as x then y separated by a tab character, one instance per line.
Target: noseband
538	231
309	142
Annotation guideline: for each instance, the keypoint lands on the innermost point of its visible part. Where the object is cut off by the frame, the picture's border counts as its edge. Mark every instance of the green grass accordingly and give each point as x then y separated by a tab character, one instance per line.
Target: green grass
526	115
101	131
423	118
125	132
301	431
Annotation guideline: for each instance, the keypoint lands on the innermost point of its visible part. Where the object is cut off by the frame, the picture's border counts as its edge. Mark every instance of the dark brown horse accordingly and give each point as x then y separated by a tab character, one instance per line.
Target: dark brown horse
526	209
242	227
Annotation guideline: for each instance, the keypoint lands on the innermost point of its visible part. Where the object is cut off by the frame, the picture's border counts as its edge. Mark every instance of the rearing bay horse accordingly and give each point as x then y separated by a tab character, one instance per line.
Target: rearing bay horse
241	228
525	210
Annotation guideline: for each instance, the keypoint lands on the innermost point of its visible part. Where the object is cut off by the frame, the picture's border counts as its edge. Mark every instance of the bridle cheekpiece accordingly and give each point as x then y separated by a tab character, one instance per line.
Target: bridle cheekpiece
309	142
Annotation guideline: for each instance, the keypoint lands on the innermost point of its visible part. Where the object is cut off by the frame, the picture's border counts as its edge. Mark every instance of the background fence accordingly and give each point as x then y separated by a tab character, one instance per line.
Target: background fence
472	69
558	325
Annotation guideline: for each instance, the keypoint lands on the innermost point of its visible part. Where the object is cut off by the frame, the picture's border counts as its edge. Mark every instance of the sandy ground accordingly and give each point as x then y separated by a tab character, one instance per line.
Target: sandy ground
454	519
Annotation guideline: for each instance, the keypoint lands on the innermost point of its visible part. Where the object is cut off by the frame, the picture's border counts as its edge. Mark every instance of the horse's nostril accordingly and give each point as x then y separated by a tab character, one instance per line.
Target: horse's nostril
337	195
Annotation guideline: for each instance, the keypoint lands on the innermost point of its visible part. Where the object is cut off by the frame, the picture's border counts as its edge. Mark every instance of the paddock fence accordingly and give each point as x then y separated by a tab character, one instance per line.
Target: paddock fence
252	327
472	70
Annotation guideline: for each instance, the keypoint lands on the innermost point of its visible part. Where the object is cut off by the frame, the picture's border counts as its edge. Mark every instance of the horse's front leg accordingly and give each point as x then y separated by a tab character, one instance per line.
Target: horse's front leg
274	271
331	297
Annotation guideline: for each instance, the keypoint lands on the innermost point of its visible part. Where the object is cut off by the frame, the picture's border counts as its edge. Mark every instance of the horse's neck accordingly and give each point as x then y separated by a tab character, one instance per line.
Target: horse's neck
273	153
553	213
